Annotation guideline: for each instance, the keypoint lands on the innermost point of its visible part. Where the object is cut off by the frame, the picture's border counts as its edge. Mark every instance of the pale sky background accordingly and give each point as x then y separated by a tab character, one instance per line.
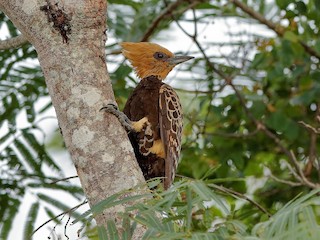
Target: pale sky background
175	41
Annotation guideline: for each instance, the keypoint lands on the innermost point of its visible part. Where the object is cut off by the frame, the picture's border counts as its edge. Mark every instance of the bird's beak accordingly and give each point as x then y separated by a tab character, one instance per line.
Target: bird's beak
179	59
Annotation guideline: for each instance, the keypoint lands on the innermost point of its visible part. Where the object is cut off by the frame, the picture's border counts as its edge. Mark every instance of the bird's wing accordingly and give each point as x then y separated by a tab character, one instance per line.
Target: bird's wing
170	119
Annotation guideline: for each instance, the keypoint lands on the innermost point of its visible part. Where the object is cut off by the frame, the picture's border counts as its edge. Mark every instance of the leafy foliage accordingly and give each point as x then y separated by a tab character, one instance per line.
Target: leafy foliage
251	122
196	210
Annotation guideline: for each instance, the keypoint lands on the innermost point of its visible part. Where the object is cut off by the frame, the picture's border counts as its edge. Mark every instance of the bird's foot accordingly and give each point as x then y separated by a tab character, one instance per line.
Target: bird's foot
123	119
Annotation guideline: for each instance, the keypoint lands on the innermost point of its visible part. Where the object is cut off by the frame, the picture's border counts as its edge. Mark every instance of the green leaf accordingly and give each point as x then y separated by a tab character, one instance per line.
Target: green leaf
112	230
286	223
57	204
28	157
76	191
154	182
39	149
45	107
207	6
31	220
127	228
260	60
258	108
102	233
122	71
207	194
210	171
112	201
14	161
31	114
6	137
150	220
291	36
283	3
11	105
306	97
149	234
301	7
292	130
49	161
317	4
8	214
277	121
52	215
83	216
99	207
189	208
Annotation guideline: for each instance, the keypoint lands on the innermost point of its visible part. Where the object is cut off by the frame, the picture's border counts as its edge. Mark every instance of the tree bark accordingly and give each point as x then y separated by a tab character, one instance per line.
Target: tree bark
71	50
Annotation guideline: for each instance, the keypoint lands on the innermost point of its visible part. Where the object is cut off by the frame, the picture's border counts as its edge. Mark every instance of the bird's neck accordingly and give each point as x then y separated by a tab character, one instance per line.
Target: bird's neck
150	82
152	78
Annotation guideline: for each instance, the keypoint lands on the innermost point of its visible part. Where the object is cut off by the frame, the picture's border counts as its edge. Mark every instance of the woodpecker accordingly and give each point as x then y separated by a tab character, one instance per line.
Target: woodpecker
153	114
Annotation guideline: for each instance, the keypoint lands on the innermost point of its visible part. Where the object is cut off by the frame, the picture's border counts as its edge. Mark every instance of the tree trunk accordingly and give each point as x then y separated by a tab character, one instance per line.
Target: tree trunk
69	37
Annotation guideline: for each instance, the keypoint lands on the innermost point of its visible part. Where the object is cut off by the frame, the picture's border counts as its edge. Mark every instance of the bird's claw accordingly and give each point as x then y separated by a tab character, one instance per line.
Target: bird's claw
110	107
123	119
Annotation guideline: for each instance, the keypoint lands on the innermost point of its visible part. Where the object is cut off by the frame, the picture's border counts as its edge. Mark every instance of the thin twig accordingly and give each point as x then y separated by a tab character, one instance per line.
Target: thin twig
309	127
197	92
292	158
279	30
235	135
232	192
63	213
13	42
305	181
312	154
167	12
317	158
290	183
293	172
194	36
63	179
242	196
65	227
208	62
169	9
259	125
276	28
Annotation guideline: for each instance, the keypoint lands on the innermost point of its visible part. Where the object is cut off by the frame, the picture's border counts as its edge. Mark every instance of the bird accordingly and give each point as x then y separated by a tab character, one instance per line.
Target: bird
153	114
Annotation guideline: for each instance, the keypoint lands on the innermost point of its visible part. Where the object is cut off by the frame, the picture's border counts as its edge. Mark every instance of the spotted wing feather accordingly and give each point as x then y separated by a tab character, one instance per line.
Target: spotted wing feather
171	123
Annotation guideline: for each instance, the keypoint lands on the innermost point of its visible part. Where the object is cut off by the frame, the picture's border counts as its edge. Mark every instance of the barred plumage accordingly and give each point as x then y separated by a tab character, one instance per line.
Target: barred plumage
153	111
171	123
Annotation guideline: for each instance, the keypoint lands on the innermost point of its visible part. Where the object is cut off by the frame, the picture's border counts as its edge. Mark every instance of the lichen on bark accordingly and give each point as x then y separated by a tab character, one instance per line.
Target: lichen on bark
79	85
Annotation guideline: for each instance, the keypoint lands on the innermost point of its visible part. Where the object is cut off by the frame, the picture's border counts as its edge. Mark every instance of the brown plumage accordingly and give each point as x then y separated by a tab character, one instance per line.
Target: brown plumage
155	111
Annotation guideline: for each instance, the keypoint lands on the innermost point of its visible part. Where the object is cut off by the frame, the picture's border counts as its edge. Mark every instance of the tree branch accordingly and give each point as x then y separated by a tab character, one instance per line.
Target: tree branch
279	30
13	42
167	13
63	179
59	215
235	135
314	132
242	196
290	183
164	14
309	127
72	57
261	126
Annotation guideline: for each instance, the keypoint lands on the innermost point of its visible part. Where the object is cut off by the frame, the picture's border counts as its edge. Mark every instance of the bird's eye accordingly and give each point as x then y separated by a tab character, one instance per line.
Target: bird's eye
159	55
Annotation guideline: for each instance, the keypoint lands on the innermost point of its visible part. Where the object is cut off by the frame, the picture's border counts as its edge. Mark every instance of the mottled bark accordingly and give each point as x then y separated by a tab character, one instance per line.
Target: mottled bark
71	51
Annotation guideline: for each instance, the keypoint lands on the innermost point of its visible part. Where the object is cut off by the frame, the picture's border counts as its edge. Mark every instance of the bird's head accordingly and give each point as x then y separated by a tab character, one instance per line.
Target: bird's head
150	59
